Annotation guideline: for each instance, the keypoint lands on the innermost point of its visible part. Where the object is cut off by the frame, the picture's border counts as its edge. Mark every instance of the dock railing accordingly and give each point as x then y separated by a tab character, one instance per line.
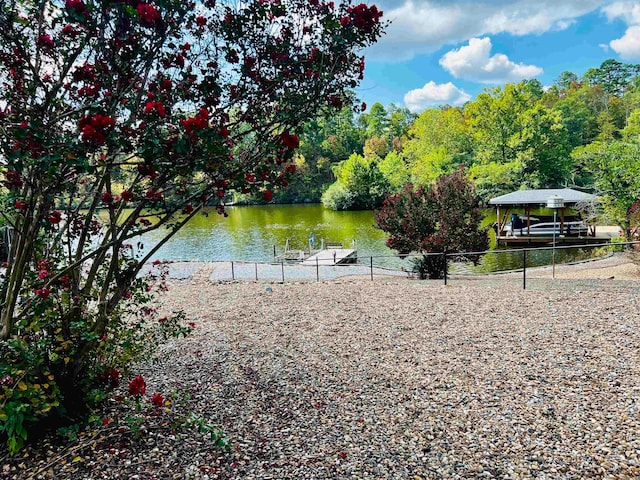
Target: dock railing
523	263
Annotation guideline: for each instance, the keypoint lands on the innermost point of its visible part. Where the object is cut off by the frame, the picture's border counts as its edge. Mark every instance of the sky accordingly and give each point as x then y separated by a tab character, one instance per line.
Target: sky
438	52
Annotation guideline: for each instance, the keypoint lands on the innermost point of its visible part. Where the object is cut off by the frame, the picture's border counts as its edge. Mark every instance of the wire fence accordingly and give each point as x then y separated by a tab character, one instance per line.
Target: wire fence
519	263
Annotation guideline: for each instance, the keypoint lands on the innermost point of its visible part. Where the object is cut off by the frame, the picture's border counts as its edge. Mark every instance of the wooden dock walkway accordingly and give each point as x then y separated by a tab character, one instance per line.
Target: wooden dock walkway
332	256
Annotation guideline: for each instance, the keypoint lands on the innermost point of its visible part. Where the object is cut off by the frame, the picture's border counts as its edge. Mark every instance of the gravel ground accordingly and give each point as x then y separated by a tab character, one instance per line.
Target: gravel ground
387	379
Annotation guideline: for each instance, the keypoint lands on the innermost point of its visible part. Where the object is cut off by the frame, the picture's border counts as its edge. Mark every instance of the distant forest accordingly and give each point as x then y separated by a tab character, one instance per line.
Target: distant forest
574	133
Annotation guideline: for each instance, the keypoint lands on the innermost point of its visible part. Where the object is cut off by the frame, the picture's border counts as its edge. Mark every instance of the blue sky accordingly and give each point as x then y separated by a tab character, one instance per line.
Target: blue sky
440	52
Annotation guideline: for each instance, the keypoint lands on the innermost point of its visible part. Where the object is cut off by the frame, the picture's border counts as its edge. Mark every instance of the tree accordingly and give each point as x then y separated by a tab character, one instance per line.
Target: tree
615	168
359	185
123	116
441	218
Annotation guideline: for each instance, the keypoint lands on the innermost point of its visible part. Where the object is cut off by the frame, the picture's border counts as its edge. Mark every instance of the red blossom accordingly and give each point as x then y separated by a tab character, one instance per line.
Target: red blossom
291	141
154	195
224	132
20	205
94	129
107	198
188	209
157	399
156	262
147	171
157	106
45	41
110	376
364	17
42	274
13	179
127	196
201	21
137	386
42	292
55	217
149	16
76	6
268	195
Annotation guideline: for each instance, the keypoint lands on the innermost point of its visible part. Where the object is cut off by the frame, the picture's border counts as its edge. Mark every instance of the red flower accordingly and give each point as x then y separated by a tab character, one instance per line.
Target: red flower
69	31
187	210
42	274
157	106
250	177
95	128
127	196
224	132
55	217
42	293
364	17
149	16
110	376
154	195
107	198
157	399
13	179
268	195
147	170
76	6
289	140
137	386
45	41
201	21
156	262
20	205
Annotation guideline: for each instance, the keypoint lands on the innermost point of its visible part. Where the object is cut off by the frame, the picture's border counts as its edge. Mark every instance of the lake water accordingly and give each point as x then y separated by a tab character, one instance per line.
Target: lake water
250	233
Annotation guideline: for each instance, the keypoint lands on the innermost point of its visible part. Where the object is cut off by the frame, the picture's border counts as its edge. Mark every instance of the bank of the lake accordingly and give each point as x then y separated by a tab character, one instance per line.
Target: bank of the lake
251	232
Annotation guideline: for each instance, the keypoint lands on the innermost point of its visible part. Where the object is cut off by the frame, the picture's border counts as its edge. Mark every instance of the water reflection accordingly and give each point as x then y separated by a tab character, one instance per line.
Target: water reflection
250	233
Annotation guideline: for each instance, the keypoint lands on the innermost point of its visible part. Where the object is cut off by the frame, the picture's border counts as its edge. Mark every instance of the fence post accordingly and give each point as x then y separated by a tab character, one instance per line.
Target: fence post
274	251
256	271
282	267
524	269
233	275
444	259
371	263
317	270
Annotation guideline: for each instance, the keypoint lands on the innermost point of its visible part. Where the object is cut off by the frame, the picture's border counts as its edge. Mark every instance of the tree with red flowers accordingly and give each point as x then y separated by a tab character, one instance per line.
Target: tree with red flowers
441	218
118	117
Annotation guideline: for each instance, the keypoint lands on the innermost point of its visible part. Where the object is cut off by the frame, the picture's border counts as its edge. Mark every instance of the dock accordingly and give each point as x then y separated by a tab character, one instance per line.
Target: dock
332	256
539	240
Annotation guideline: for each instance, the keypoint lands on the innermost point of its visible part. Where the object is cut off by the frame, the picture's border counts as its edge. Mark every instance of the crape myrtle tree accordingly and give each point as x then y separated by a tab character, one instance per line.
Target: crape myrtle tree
444	217
118	117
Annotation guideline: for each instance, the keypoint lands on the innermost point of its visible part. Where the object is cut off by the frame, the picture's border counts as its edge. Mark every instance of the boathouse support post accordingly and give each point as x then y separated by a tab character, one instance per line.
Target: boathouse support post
524	269
282	268
317	270
233	275
256	271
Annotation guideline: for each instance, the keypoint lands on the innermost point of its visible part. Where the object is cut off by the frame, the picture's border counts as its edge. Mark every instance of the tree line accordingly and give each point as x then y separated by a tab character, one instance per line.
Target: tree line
581	132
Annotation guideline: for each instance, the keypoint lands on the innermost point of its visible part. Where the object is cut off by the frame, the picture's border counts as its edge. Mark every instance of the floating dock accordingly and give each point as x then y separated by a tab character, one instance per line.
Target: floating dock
332	256
548	240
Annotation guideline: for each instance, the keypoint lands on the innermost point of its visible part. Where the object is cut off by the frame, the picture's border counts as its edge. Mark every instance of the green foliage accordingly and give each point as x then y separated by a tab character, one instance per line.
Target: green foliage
117	121
360	185
615	168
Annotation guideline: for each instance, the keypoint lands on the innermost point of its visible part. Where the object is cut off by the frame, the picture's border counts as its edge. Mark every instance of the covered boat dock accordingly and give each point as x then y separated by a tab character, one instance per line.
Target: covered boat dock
526	200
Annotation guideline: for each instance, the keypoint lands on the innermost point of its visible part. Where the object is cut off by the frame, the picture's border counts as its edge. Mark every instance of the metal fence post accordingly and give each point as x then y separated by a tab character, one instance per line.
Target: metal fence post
317	270
282	266
233	275
371	263
524	269
256	271
444	259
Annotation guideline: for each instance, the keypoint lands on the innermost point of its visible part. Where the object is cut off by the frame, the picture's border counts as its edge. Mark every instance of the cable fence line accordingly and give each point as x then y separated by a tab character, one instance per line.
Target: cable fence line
455	265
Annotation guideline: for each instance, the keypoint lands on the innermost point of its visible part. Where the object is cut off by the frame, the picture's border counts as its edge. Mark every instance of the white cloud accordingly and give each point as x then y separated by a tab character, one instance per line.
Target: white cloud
628	47
629	12
423	26
474	62
433	94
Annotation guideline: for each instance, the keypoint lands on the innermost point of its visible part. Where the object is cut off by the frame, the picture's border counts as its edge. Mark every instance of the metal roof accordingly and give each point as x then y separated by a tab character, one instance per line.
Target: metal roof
539	197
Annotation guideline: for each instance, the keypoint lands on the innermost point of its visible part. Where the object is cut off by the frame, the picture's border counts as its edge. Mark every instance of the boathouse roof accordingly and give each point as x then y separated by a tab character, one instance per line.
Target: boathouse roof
540	197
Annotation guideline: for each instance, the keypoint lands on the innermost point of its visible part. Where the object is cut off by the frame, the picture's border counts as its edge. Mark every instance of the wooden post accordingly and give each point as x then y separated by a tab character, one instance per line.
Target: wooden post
527	209
233	276
282	266
561	221
371	263
317	270
256	271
